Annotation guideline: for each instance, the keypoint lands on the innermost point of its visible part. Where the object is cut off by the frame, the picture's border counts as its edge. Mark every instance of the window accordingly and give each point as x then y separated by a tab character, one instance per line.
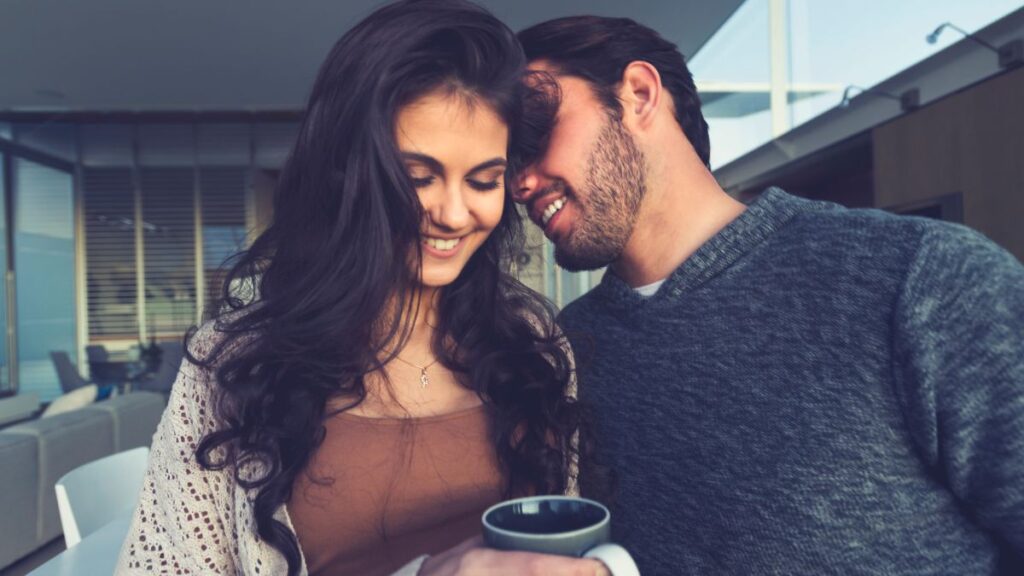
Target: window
44	259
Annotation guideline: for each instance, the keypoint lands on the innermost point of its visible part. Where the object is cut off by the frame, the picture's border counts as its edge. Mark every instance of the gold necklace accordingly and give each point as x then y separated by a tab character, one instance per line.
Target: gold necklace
424	380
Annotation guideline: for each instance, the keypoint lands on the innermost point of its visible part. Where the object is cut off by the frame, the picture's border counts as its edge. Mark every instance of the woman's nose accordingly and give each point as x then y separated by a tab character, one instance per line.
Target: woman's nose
450	211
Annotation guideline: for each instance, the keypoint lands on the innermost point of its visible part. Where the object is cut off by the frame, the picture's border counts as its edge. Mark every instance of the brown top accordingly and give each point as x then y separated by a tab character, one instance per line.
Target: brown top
382	491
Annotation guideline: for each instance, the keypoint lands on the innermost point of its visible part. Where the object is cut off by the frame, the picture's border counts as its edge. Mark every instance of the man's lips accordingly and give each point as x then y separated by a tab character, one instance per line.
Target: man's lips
541	205
550	218
554	229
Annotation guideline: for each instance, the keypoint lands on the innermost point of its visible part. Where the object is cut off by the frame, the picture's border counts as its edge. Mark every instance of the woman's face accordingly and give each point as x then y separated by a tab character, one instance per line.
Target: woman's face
454	151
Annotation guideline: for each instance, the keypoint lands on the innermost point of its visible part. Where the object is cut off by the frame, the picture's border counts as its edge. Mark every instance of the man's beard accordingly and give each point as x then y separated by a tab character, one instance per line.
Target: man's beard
608	205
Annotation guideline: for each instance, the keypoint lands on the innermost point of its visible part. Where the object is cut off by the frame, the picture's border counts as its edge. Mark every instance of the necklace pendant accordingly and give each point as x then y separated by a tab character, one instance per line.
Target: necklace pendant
423	379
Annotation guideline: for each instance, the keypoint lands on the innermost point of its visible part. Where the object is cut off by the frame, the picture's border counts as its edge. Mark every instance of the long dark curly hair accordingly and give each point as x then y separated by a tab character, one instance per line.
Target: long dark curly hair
303	308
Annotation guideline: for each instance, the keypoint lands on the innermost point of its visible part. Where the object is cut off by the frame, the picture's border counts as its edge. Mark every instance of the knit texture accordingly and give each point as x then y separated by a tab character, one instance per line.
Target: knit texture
817	390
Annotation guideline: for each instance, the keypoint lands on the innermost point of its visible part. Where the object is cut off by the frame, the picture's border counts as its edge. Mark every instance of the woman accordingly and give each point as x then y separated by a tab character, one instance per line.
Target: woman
376	378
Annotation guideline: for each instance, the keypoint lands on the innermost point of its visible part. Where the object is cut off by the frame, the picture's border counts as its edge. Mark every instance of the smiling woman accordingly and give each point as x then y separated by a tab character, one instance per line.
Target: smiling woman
388	379
455	153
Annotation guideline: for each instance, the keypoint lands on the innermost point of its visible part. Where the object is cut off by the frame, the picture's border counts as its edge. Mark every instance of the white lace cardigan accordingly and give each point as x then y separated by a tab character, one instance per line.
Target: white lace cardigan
201	522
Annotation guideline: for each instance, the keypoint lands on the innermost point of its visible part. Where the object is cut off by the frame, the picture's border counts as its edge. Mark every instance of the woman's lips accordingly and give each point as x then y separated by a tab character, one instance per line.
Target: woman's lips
441	247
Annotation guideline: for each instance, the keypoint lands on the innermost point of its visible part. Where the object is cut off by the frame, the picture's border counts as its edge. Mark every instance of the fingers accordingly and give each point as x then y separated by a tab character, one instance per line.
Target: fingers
493	562
577	567
471	558
599	569
474	542
585	567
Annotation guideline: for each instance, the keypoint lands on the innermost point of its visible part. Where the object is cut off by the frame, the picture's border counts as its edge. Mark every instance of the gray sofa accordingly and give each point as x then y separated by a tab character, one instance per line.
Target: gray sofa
35	454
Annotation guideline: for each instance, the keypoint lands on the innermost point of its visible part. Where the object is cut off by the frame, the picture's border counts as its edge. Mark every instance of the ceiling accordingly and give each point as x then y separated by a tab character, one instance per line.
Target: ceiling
213	55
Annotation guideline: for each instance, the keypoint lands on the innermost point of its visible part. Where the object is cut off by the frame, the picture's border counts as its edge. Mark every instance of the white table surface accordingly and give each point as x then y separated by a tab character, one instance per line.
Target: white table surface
95	555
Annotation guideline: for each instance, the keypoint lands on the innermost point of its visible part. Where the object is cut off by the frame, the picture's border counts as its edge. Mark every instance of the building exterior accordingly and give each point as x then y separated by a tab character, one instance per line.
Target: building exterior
117	221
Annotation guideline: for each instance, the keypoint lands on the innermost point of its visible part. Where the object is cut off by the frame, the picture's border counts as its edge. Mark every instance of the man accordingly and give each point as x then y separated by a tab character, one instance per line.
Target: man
788	387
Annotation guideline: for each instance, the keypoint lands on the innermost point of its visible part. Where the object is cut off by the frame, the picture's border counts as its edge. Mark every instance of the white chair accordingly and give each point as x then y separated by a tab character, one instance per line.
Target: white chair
95	494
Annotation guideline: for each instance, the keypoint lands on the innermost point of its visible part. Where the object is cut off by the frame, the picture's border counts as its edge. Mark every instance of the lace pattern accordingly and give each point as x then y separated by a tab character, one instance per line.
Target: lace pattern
189	520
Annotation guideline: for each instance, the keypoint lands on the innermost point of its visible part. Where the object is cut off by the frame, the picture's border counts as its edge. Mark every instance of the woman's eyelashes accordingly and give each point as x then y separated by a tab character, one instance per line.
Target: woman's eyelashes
483	186
474	184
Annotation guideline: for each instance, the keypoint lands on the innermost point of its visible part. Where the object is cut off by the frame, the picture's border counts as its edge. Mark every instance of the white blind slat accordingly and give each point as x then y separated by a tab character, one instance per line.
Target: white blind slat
109	206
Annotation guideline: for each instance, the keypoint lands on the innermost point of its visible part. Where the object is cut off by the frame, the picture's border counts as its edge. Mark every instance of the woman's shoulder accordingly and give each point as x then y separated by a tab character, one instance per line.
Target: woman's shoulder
204	339
208	345
219	338
192	395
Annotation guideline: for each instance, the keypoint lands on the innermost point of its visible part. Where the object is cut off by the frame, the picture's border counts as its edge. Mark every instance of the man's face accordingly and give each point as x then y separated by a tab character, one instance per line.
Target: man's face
585	189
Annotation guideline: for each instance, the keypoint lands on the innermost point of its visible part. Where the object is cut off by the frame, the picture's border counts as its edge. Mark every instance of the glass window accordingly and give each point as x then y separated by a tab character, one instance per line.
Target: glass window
272	143
847	43
44	256
827	45
5	376
169	249
733	72
573	285
147	179
560	285
110	272
53	139
107	145
224	231
550	272
166	145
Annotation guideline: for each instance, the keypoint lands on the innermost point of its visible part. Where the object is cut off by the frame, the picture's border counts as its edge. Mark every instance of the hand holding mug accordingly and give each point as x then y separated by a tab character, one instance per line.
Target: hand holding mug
472	558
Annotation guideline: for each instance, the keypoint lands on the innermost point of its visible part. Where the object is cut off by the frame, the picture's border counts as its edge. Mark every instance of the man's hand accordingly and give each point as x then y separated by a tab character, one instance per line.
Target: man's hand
471	558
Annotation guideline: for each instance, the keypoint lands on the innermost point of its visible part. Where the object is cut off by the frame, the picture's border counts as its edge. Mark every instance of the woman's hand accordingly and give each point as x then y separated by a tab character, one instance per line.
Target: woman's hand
471	558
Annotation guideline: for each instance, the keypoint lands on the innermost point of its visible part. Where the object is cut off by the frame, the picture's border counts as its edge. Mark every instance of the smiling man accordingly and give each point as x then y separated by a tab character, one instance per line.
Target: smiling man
788	387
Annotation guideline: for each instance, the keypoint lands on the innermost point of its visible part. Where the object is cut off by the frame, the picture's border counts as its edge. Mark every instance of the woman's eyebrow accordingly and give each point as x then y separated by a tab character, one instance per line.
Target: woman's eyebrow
428	161
435	166
492	163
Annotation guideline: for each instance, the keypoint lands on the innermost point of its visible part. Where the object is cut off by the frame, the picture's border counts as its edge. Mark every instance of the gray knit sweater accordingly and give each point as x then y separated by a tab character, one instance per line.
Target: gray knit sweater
816	391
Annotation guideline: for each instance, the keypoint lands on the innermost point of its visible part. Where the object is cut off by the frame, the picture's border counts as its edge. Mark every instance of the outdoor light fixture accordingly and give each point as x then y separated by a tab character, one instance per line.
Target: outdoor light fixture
908	100
1010	54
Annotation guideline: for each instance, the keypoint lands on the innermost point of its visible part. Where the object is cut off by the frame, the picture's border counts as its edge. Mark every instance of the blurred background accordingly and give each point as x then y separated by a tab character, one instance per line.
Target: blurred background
140	143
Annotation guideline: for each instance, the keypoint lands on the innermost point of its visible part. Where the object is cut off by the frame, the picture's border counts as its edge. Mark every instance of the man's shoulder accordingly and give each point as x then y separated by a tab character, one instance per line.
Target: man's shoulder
868	229
581	311
920	248
865	221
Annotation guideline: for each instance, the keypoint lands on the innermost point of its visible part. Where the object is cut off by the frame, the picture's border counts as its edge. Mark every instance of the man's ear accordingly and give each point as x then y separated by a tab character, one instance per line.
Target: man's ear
640	93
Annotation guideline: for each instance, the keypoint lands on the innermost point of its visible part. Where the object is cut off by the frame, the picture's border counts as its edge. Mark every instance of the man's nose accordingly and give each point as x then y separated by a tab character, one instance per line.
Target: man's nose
526	186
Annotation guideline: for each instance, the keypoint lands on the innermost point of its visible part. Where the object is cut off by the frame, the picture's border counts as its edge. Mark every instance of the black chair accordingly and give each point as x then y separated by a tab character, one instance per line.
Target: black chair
67	373
97	353
113	373
171	355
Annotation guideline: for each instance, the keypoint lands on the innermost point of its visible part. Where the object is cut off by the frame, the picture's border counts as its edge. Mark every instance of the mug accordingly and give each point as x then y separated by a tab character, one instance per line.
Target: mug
562	525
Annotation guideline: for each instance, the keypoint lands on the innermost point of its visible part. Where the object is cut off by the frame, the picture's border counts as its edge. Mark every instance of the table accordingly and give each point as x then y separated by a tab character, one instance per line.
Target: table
95	555
122	374
115	371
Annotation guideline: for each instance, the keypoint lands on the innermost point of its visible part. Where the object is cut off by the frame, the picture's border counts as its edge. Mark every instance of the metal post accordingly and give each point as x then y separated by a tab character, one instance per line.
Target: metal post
140	239
81	286
778	35
9	281
197	200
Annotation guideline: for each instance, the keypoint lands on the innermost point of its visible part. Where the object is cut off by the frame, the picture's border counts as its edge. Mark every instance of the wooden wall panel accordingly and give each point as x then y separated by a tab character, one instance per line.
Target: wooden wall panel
972	143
